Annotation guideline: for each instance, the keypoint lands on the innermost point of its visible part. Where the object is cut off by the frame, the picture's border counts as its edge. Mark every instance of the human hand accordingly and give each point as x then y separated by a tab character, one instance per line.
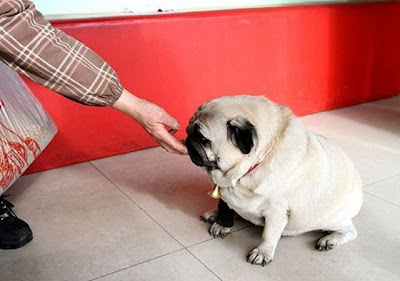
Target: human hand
160	126
155	120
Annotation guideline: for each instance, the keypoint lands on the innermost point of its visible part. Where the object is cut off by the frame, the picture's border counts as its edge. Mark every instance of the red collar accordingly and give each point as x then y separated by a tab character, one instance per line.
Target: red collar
256	165
251	169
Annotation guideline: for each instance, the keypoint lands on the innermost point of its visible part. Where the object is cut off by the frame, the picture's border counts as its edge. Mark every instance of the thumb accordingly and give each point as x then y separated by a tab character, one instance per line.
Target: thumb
170	121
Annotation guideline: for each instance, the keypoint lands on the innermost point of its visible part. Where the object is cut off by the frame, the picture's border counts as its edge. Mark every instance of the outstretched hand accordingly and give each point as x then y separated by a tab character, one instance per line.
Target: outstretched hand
154	119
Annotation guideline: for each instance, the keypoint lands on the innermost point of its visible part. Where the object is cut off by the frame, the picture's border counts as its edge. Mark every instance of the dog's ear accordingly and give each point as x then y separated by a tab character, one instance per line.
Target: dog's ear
242	134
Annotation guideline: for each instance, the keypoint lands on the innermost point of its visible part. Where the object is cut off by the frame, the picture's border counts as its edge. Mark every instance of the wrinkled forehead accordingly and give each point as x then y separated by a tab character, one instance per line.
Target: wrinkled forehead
219	111
210	121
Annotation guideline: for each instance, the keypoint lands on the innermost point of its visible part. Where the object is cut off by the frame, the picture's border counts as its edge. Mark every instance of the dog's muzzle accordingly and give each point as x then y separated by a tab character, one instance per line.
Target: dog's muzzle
197	153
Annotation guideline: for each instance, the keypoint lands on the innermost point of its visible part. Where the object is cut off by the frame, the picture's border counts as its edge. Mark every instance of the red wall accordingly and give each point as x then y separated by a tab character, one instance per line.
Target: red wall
312	58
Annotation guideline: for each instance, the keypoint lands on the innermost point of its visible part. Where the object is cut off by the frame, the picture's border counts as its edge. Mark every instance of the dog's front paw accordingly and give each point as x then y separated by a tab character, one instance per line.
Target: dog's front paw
328	242
260	257
210	216
217	230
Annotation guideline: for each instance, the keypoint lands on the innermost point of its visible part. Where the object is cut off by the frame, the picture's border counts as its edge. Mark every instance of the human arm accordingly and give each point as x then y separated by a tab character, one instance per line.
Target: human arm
153	119
32	46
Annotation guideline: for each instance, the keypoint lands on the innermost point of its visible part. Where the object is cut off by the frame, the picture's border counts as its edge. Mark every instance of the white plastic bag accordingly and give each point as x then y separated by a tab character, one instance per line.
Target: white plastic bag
25	127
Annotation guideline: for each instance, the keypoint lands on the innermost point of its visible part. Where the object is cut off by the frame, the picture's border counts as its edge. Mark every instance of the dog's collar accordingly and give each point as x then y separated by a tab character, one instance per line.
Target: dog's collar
251	169
216	193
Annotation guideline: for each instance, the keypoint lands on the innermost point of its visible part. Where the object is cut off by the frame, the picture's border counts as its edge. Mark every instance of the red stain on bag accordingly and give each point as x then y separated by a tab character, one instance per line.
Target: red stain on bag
14	155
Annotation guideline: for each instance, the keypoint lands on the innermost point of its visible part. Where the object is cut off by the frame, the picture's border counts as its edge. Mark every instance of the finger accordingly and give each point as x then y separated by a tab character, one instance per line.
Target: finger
172	131
166	147
169	149
163	136
170	121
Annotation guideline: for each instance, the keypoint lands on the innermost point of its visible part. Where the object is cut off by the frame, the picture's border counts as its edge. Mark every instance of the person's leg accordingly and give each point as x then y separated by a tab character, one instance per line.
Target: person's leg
14	232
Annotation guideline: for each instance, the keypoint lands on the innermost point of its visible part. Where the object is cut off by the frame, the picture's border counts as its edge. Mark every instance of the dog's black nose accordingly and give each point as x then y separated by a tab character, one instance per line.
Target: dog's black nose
197	153
193	153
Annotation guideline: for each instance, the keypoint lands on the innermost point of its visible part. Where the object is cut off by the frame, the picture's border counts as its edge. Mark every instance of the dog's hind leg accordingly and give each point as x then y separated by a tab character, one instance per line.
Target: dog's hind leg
222	220
337	237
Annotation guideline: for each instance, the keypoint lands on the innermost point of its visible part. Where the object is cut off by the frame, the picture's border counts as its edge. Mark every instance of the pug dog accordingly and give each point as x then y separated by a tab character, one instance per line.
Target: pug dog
274	173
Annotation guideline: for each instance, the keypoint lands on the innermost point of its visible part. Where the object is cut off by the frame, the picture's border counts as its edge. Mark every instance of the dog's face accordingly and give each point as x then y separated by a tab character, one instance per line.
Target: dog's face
226	135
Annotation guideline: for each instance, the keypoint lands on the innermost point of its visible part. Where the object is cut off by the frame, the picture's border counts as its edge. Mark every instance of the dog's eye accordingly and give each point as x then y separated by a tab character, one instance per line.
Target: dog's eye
200	136
203	140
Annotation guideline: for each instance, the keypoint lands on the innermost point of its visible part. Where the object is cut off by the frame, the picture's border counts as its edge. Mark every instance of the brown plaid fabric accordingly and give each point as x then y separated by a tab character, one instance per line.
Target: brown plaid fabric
32	46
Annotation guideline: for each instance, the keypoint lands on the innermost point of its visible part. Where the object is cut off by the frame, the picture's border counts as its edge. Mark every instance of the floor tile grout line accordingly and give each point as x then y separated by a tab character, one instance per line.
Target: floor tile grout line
130	199
377	197
235	230
203	264
391	203
183	247
378	181
116	186
199	243
132	266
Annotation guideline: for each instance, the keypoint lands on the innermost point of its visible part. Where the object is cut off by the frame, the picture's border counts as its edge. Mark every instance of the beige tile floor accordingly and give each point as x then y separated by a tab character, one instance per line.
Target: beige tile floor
135	216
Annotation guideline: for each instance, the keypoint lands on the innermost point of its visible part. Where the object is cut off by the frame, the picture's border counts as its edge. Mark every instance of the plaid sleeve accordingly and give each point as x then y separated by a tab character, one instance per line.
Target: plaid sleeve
32	46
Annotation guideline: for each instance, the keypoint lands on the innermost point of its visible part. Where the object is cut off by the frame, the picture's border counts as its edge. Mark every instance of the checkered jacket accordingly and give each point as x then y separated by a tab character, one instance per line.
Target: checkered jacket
32	46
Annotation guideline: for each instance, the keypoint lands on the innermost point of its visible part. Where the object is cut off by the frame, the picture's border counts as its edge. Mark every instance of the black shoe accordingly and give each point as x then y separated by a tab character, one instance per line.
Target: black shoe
14	232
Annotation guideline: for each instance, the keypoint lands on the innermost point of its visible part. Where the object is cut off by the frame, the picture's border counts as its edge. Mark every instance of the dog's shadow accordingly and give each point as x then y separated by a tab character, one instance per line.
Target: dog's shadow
176	183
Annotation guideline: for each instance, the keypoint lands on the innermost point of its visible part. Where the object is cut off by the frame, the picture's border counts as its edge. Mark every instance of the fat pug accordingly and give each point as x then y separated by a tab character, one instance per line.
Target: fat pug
273	172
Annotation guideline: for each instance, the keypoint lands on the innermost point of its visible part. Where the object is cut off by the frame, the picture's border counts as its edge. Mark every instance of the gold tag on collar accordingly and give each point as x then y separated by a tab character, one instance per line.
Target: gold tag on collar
215	193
